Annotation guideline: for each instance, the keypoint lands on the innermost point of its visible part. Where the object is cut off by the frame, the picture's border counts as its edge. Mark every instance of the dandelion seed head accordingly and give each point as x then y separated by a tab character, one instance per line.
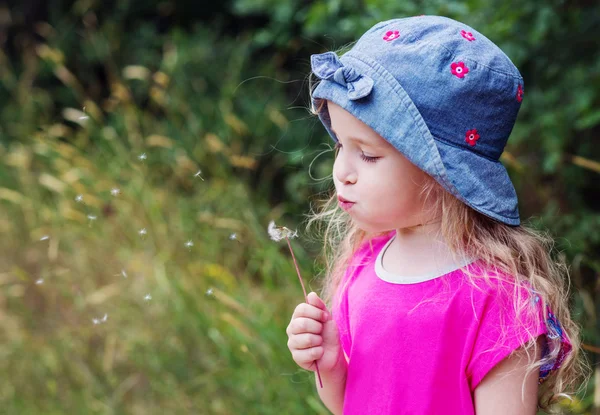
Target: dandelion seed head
79	198
143	231
115	191
189	244
209	291
148	297
142	157
198	174
277	233
233	236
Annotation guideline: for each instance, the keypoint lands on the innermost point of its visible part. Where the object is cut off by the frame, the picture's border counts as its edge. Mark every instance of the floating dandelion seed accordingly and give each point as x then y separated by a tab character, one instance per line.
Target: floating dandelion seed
79	198
198	174
92	217
233	236
84	117
209	291
123	273
148	297
189	244
142	157
100	320
115	191
44	238
40	281
277	233
143	231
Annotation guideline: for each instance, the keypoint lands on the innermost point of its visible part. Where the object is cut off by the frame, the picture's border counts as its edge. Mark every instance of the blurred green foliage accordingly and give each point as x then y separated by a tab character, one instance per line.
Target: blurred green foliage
197	114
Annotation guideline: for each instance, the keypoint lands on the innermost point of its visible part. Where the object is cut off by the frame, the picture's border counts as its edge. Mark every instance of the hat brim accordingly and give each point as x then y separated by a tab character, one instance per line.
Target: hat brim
481	183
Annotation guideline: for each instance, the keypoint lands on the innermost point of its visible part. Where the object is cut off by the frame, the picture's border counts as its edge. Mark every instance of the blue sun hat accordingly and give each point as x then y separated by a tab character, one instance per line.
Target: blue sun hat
441	93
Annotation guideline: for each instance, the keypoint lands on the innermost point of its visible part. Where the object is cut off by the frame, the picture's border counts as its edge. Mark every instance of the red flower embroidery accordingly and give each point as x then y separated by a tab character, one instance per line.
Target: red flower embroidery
391	35
519	93
467	35
459	69
471	137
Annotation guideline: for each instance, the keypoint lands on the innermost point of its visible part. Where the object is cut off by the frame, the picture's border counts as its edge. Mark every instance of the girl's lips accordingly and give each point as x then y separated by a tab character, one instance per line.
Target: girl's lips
345	204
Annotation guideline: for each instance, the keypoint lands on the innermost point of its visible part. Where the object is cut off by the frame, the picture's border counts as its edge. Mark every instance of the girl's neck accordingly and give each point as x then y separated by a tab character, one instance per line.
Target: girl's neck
418	250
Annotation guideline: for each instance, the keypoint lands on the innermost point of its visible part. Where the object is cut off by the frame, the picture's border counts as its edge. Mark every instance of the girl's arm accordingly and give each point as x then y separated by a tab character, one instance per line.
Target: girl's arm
334	385
504	390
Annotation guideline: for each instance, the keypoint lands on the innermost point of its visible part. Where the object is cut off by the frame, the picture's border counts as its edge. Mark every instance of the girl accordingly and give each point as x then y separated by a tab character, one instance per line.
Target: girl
437	301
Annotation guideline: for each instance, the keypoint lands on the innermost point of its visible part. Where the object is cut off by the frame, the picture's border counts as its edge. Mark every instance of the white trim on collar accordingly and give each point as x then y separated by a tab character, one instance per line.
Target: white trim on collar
400	279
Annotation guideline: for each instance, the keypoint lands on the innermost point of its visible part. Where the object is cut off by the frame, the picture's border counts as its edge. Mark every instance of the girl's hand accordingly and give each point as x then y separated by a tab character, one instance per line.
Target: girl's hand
313	335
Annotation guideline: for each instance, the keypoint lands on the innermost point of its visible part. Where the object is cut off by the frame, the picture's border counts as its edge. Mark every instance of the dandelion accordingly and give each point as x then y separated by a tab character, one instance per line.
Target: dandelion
44	238
277	233
92	217
79	198
40	281
233	236
97	321
209	291
189	244
142	157
148	297
198	174
143	231
115	191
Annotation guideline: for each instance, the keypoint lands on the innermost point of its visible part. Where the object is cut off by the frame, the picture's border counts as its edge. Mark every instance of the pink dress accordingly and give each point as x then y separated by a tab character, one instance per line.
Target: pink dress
422	345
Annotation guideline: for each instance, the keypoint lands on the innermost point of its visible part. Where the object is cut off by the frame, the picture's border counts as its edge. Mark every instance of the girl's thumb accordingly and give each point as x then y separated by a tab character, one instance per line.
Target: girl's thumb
313	299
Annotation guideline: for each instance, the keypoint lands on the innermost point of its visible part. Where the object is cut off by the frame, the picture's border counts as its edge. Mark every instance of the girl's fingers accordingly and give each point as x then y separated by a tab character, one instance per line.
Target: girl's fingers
310	311
307	356
304	325
304	341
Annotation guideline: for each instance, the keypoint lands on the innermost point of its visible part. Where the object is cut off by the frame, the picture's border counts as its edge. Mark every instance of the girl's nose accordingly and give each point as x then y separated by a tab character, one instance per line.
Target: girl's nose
344	171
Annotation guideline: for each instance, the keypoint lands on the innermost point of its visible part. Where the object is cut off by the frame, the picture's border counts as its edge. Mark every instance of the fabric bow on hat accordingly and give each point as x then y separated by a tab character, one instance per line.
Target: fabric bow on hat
327	66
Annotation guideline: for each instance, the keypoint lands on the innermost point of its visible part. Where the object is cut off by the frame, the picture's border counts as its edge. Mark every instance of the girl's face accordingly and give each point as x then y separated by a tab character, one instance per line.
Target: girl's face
384	186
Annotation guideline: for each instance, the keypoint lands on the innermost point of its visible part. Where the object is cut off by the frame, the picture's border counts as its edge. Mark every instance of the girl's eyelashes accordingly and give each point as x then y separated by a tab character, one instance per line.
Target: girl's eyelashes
368	159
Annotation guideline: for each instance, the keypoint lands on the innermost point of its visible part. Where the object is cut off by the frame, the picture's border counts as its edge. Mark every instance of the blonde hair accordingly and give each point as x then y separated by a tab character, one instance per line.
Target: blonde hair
521	252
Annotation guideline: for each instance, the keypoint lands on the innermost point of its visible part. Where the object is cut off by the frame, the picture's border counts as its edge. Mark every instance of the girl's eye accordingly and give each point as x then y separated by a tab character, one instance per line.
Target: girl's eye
368	159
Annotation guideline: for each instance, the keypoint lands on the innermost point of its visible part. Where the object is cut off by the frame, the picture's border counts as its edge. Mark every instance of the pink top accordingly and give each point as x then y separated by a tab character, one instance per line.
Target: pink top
422	345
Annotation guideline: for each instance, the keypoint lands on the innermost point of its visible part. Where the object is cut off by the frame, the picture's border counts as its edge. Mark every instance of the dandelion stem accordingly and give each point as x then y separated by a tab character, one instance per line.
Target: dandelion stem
305	299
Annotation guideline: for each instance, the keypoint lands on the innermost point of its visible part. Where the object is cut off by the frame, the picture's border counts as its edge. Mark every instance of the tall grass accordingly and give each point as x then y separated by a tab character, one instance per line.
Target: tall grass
98	317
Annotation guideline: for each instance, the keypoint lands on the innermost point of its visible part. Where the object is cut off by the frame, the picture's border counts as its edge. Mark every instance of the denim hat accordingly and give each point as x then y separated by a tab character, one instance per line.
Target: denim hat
442	94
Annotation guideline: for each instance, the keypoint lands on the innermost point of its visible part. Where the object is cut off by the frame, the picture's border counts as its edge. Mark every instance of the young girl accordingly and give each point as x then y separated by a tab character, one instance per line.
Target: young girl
438	301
